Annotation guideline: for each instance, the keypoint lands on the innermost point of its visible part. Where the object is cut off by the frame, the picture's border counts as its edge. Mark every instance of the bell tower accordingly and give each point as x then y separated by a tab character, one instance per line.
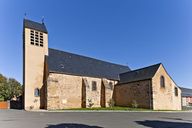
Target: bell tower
35	49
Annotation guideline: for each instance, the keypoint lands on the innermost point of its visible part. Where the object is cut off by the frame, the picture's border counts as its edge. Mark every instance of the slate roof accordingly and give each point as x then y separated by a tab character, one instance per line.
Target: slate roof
139	74
35	25
185	92
69	63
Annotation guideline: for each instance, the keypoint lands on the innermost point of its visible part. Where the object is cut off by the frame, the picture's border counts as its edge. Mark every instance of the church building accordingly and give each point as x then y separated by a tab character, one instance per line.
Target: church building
55	79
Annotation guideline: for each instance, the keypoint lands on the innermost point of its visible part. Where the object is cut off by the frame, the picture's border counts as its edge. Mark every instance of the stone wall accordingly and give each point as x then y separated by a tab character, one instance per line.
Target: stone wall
102	95
108	91
93	97
184	101
69	91
134	93
164	97
63	91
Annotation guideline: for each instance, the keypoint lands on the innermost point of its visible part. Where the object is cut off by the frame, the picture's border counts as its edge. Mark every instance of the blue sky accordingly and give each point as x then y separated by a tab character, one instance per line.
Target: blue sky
136	33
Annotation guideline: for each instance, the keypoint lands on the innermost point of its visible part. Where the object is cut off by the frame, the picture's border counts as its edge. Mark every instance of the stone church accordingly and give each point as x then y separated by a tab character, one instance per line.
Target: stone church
55	79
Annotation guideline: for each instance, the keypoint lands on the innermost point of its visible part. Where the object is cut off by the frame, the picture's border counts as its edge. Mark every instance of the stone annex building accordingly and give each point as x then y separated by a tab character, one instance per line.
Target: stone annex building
55	79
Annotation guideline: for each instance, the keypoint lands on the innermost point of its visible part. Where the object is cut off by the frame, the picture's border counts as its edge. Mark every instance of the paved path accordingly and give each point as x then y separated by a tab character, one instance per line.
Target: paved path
23	119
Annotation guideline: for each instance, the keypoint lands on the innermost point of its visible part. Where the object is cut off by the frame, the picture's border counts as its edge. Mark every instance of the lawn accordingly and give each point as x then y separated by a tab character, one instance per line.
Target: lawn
116	108
110	109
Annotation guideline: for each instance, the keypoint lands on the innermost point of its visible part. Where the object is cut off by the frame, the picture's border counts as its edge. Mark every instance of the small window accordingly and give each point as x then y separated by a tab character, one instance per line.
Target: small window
111	85
94	86
37	92
162	82
176	91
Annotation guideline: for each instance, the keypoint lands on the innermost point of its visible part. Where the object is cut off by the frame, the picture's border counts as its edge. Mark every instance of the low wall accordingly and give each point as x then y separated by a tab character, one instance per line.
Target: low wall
4	105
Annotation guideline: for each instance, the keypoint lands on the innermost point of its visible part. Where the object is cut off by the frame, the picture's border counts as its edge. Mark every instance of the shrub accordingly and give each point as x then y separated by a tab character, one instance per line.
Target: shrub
111	103
90	103
135	104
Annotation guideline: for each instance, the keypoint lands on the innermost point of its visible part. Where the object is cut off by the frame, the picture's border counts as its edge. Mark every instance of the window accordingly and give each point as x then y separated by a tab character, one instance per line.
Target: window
37	92
36	38
111	85
94	86
176	91
162	81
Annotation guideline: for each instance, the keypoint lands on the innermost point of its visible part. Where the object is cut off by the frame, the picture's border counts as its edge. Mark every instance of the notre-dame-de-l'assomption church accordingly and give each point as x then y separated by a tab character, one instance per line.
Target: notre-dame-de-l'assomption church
55	79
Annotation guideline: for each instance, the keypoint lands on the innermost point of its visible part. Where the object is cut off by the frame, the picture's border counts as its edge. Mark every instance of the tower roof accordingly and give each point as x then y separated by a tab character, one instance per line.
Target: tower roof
73	64
35	25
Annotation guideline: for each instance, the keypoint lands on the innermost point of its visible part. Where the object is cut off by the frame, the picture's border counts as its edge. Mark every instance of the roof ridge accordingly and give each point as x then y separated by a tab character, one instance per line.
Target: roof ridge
32	21
89	57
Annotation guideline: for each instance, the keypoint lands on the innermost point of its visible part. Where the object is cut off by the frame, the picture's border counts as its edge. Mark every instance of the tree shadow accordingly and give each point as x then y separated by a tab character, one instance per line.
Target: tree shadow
179	119
164	124
71	125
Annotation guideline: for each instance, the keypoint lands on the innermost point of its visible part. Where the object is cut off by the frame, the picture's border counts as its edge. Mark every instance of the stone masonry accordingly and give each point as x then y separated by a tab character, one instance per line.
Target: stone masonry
66	91
149	93
135	93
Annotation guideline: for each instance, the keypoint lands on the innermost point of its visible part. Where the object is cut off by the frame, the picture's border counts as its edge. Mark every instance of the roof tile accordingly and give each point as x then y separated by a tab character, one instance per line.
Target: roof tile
69	63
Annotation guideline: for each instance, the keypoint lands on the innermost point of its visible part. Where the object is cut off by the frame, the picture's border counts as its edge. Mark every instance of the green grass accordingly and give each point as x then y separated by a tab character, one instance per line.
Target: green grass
110	108
116	108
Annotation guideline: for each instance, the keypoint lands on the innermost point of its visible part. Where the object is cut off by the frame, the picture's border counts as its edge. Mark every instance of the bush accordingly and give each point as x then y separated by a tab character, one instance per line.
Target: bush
90	103
135	104
111	103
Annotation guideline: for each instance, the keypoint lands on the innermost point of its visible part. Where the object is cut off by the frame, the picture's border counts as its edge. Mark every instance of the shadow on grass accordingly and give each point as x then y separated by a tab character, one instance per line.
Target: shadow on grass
68	125
164	124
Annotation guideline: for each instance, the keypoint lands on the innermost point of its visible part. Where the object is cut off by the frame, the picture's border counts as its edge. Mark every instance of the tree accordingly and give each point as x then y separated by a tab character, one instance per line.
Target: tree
9	88
15	88
4	93
2	79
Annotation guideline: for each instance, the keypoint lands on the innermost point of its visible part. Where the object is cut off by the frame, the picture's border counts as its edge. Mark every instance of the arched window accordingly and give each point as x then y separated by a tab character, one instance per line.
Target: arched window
94	86
111	85
37	92
162	81
176	91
